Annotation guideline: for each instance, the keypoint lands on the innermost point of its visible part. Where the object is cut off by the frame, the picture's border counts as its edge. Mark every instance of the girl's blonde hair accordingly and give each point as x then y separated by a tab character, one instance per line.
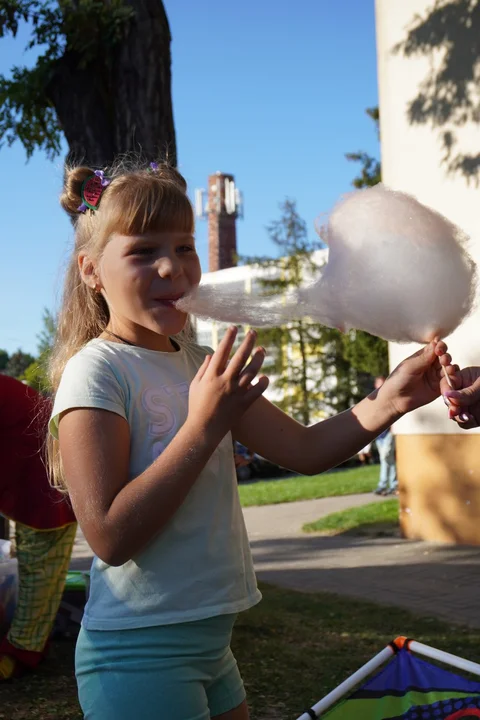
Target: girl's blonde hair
139	199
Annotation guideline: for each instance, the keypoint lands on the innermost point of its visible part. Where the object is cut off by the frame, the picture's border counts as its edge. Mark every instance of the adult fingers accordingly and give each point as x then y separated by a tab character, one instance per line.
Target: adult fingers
467	396
466	421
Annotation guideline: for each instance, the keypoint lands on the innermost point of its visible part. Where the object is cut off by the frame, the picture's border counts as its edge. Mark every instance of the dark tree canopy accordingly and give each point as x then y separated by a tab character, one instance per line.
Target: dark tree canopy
18	363
4	357
102	79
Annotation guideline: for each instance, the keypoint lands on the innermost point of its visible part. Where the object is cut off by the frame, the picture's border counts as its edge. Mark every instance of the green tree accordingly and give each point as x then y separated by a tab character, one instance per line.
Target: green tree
46	337
18	363
36	374
294	349
371	169
4	357
102	79
316	369
366	354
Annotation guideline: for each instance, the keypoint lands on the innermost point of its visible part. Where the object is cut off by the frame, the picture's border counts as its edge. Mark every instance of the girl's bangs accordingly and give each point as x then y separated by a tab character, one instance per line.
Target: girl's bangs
143	205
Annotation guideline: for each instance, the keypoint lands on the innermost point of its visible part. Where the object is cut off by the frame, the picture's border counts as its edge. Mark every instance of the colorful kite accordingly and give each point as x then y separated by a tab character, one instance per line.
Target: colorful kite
406	688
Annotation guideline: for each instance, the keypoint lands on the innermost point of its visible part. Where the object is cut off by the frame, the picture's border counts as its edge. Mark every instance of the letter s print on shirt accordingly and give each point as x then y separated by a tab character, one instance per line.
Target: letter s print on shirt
159	403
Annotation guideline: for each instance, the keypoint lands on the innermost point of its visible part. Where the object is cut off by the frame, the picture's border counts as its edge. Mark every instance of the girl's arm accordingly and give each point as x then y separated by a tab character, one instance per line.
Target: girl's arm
267	431
119	518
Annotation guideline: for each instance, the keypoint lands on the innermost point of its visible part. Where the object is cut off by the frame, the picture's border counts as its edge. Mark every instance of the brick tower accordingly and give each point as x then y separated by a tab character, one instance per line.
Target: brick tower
222	210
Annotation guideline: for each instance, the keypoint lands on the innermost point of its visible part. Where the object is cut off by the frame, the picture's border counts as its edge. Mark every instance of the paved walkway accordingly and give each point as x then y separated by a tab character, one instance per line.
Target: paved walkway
440	580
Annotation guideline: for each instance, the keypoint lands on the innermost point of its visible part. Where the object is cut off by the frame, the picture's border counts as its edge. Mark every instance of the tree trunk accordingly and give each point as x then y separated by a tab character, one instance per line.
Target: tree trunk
122	102
303	381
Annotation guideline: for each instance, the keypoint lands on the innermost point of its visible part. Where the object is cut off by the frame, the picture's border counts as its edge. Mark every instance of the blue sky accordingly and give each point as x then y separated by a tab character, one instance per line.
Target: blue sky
273	92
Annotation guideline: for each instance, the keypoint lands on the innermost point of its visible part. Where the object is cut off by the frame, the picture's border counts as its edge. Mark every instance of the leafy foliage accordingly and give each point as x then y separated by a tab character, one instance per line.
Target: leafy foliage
83	31
318	370
371	171
367	354
36	374
18	363
313	365
292	348
3	360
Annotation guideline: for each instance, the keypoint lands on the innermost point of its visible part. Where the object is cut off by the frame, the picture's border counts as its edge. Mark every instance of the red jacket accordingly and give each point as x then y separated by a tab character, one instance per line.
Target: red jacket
25	492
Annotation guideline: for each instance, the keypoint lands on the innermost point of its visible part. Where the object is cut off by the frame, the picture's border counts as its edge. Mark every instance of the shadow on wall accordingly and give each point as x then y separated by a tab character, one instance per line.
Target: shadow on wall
449	96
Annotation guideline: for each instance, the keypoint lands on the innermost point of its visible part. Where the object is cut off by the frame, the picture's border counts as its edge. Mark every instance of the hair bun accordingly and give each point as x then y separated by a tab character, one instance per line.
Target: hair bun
71	199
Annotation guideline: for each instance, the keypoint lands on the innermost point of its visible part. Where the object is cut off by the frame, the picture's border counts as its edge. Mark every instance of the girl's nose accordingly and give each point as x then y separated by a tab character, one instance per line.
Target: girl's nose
169	266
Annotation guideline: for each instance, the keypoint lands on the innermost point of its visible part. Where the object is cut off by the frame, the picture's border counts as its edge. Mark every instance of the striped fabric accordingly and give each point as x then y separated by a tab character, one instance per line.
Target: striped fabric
43	559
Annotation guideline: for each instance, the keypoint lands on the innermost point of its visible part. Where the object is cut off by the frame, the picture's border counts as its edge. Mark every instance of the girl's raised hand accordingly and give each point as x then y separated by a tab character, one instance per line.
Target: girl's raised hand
416	381
222	390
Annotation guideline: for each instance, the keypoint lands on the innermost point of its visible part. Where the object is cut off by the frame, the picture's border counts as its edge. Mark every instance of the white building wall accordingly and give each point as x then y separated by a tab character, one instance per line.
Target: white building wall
412	162
438	464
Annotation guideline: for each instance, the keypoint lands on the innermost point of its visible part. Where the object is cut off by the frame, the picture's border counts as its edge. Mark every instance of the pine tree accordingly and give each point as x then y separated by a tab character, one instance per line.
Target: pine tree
36	374
365	353
294	350
18	363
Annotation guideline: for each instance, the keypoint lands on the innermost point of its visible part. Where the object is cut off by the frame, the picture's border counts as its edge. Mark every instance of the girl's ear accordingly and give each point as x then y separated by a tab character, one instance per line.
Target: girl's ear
88	272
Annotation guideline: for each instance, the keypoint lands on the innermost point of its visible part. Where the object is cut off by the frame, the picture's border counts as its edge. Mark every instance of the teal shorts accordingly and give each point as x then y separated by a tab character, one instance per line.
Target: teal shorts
185	671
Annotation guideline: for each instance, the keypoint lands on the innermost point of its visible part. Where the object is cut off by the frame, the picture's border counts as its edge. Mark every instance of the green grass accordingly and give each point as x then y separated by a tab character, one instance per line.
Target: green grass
291	649
374	519
331	484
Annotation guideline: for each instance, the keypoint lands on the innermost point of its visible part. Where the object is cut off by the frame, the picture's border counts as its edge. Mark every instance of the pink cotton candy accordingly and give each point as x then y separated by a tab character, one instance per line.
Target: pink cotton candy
396	269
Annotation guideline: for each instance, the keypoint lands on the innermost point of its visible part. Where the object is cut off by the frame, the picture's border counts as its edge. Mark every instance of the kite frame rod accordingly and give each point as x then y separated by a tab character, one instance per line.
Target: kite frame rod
412	645
441	656
350	683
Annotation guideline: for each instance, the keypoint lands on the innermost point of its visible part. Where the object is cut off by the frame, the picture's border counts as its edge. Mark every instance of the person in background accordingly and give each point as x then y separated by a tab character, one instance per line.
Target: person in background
45	526
243	458
365	455
388	484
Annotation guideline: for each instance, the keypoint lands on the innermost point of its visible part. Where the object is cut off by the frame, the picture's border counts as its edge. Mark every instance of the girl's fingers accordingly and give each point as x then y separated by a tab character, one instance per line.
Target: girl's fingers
203	367
219	360
252	369
440	348
255	391
445	359
237	363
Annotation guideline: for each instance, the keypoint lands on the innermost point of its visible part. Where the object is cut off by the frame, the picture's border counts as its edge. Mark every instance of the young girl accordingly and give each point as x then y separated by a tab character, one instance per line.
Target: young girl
141	430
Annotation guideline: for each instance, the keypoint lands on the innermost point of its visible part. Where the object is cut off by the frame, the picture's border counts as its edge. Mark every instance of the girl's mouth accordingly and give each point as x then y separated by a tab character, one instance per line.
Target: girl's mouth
169	301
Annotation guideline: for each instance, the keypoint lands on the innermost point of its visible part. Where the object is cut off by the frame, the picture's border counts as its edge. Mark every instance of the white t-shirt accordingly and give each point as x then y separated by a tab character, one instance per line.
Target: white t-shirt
200	564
